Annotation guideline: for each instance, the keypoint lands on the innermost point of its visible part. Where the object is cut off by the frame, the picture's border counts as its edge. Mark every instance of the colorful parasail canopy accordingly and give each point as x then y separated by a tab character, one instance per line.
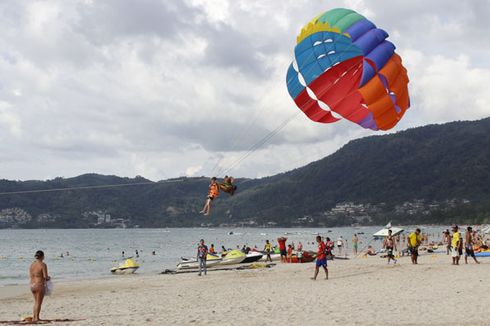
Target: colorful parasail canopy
344	67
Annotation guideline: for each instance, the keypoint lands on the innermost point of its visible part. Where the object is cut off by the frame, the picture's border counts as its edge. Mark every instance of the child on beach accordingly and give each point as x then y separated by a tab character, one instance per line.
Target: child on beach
290	253
321	258
212	194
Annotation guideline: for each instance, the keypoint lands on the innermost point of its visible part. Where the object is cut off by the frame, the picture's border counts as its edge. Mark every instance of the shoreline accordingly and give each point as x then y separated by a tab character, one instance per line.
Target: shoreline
362	291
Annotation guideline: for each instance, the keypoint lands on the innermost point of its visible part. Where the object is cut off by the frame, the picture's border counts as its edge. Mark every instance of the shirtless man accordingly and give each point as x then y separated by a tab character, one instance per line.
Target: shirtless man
38	272
390	246
468	245
355	243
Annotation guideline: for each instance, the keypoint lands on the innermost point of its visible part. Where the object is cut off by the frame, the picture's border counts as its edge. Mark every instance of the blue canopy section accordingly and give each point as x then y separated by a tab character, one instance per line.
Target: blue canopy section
315	54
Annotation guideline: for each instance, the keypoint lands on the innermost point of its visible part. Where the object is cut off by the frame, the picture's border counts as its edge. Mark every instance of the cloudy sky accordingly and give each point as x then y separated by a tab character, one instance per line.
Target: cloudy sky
163	88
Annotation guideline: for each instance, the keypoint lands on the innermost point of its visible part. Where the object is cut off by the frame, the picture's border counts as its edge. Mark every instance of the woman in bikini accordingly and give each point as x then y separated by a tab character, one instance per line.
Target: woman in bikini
38	273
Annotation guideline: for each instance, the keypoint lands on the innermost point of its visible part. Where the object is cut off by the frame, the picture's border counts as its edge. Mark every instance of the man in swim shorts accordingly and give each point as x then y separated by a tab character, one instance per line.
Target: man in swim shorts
390	245
469	245
321	258
355	243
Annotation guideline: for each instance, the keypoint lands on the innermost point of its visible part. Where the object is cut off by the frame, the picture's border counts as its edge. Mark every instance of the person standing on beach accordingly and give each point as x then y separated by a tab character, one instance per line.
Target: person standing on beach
469	245
355	242
321	258
413	243
282	248
447	240
340	244
38	273
267	250
455	245
202	255
390	246
329	246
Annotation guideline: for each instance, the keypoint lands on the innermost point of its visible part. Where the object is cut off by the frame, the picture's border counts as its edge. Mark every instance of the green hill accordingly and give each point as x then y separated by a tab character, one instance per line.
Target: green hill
431	174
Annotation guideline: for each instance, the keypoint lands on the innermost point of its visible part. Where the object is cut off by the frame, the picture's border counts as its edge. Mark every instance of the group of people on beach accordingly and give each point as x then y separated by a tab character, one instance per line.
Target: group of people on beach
456	245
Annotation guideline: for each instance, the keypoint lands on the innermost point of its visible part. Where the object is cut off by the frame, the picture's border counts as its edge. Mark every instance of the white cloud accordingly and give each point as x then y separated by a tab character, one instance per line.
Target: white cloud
167	88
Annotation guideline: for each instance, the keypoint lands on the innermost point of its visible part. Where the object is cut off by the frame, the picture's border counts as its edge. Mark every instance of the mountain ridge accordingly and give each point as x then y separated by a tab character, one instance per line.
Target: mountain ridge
442	171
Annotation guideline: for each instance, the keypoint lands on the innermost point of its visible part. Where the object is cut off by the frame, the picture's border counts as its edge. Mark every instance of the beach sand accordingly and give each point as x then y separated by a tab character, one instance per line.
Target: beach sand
363	291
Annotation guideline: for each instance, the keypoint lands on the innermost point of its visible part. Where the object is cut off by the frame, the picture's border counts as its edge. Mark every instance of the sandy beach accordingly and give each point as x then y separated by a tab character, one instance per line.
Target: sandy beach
363	291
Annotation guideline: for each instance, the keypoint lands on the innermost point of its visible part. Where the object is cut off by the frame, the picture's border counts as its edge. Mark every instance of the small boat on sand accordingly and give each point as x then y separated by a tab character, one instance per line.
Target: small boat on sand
129	266
189	263
233	257
252	256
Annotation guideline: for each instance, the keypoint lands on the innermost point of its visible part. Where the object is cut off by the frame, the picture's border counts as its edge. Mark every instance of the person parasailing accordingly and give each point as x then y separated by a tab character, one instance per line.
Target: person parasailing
212	194
227	185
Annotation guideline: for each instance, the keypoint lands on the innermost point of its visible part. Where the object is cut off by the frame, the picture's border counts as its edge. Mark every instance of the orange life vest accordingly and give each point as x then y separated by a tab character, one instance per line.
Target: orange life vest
213	190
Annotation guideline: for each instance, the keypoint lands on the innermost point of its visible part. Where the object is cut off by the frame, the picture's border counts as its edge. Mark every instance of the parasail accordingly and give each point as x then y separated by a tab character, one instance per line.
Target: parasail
344	67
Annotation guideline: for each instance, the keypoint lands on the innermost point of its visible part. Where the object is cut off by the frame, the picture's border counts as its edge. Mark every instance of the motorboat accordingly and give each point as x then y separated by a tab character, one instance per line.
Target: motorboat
129	266
252	256
233	257
192	263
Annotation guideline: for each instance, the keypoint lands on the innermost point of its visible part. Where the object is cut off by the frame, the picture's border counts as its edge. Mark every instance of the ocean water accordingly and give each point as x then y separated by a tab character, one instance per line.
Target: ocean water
93	252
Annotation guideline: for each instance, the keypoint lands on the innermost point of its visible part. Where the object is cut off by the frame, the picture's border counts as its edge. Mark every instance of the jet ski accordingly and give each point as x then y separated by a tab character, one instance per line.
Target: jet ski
252	256
190	263
129	266
233	257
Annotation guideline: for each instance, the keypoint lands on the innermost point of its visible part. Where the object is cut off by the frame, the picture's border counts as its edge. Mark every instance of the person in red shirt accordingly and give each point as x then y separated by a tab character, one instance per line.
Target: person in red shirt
282	248
321	258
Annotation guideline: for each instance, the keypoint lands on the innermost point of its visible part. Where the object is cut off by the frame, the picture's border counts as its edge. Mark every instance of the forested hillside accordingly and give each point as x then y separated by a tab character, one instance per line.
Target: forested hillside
431	174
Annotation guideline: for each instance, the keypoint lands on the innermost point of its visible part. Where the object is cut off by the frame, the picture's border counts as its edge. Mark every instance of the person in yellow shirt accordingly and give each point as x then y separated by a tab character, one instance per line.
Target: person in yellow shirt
268	250
456	245
413	243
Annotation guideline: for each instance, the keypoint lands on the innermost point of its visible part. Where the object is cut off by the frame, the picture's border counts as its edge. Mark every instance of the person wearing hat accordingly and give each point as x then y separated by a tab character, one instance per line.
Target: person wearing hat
455	245
469	245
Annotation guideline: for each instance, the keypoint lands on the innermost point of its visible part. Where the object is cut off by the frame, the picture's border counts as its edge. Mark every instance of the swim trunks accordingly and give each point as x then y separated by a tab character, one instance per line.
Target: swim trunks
321	262
211	198
414	251
283	252
469	252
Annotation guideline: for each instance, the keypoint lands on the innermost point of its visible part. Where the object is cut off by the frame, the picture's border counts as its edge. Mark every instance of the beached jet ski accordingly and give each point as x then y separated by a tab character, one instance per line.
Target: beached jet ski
187	263
233	257
252	256
129	266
